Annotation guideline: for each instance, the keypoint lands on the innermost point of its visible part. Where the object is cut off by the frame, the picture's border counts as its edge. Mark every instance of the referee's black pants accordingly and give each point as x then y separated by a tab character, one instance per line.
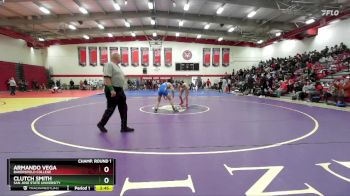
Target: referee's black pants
112	102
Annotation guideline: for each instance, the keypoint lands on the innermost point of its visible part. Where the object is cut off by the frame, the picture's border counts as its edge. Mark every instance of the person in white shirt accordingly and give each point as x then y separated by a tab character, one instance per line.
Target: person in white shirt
224	85
13	86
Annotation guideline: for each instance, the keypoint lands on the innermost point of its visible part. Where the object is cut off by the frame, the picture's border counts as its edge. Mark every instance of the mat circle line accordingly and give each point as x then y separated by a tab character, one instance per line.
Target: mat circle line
313	131
200	112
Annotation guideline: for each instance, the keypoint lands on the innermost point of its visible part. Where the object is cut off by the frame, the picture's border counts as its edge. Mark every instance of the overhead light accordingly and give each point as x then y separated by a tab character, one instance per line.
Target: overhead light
153	22
207	26
174	3
154	34
125	2
310	21
260	41
127	24
220	39
133	34
278	34
220	9
251	14
116	6
231	29
44	10
187	6
199	36
110	35
334	21
177	34
41	39
181	23
150	5
72	27
86	37
83	10
100	26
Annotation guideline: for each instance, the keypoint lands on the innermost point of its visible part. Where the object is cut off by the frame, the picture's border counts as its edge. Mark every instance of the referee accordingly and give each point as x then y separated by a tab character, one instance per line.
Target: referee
114	81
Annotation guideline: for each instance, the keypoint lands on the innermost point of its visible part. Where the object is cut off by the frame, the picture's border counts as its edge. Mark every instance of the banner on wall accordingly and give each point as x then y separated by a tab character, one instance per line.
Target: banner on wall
168	57
156	57
216	57
125	56
134	56
145	57
103	55
206	57
225	57
113	50
93	56
82	56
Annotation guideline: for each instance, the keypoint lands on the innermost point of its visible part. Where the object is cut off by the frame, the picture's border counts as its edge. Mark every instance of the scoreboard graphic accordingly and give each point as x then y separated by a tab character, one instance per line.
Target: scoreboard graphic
85	174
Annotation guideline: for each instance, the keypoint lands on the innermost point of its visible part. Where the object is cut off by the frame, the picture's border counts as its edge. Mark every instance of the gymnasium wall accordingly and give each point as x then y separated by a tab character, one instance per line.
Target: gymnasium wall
63	60
329	35
16	51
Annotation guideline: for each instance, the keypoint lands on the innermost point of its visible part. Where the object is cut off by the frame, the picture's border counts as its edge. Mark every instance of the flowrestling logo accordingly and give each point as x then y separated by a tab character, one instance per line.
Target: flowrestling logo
330	12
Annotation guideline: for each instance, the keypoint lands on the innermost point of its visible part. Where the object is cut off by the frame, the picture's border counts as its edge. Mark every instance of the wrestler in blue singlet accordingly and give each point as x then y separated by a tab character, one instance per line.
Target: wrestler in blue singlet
163	89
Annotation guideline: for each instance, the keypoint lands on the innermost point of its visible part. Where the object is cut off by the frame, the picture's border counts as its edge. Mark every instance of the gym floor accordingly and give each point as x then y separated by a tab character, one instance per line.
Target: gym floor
221	145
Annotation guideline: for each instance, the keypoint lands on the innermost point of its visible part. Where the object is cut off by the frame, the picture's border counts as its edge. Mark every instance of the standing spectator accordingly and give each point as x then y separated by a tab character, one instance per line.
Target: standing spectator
229	85
71	83
154	85
263	85
58	83
220	85
137	84
200	82
208	83
13	86
224	85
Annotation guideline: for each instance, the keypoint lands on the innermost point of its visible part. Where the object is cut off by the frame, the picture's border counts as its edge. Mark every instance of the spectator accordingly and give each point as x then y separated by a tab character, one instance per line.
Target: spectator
13	86
220	85
332	91
71	83
58	83
283	89
137	84
25	85
346	87
43	86
224	85
208	83
229	85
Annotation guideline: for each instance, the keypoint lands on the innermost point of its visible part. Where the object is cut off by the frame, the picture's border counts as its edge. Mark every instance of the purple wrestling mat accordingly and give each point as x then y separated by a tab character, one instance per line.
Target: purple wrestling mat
220	145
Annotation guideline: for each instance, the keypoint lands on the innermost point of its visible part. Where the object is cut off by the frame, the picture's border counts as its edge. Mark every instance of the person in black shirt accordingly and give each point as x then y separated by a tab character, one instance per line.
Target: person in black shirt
71	83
